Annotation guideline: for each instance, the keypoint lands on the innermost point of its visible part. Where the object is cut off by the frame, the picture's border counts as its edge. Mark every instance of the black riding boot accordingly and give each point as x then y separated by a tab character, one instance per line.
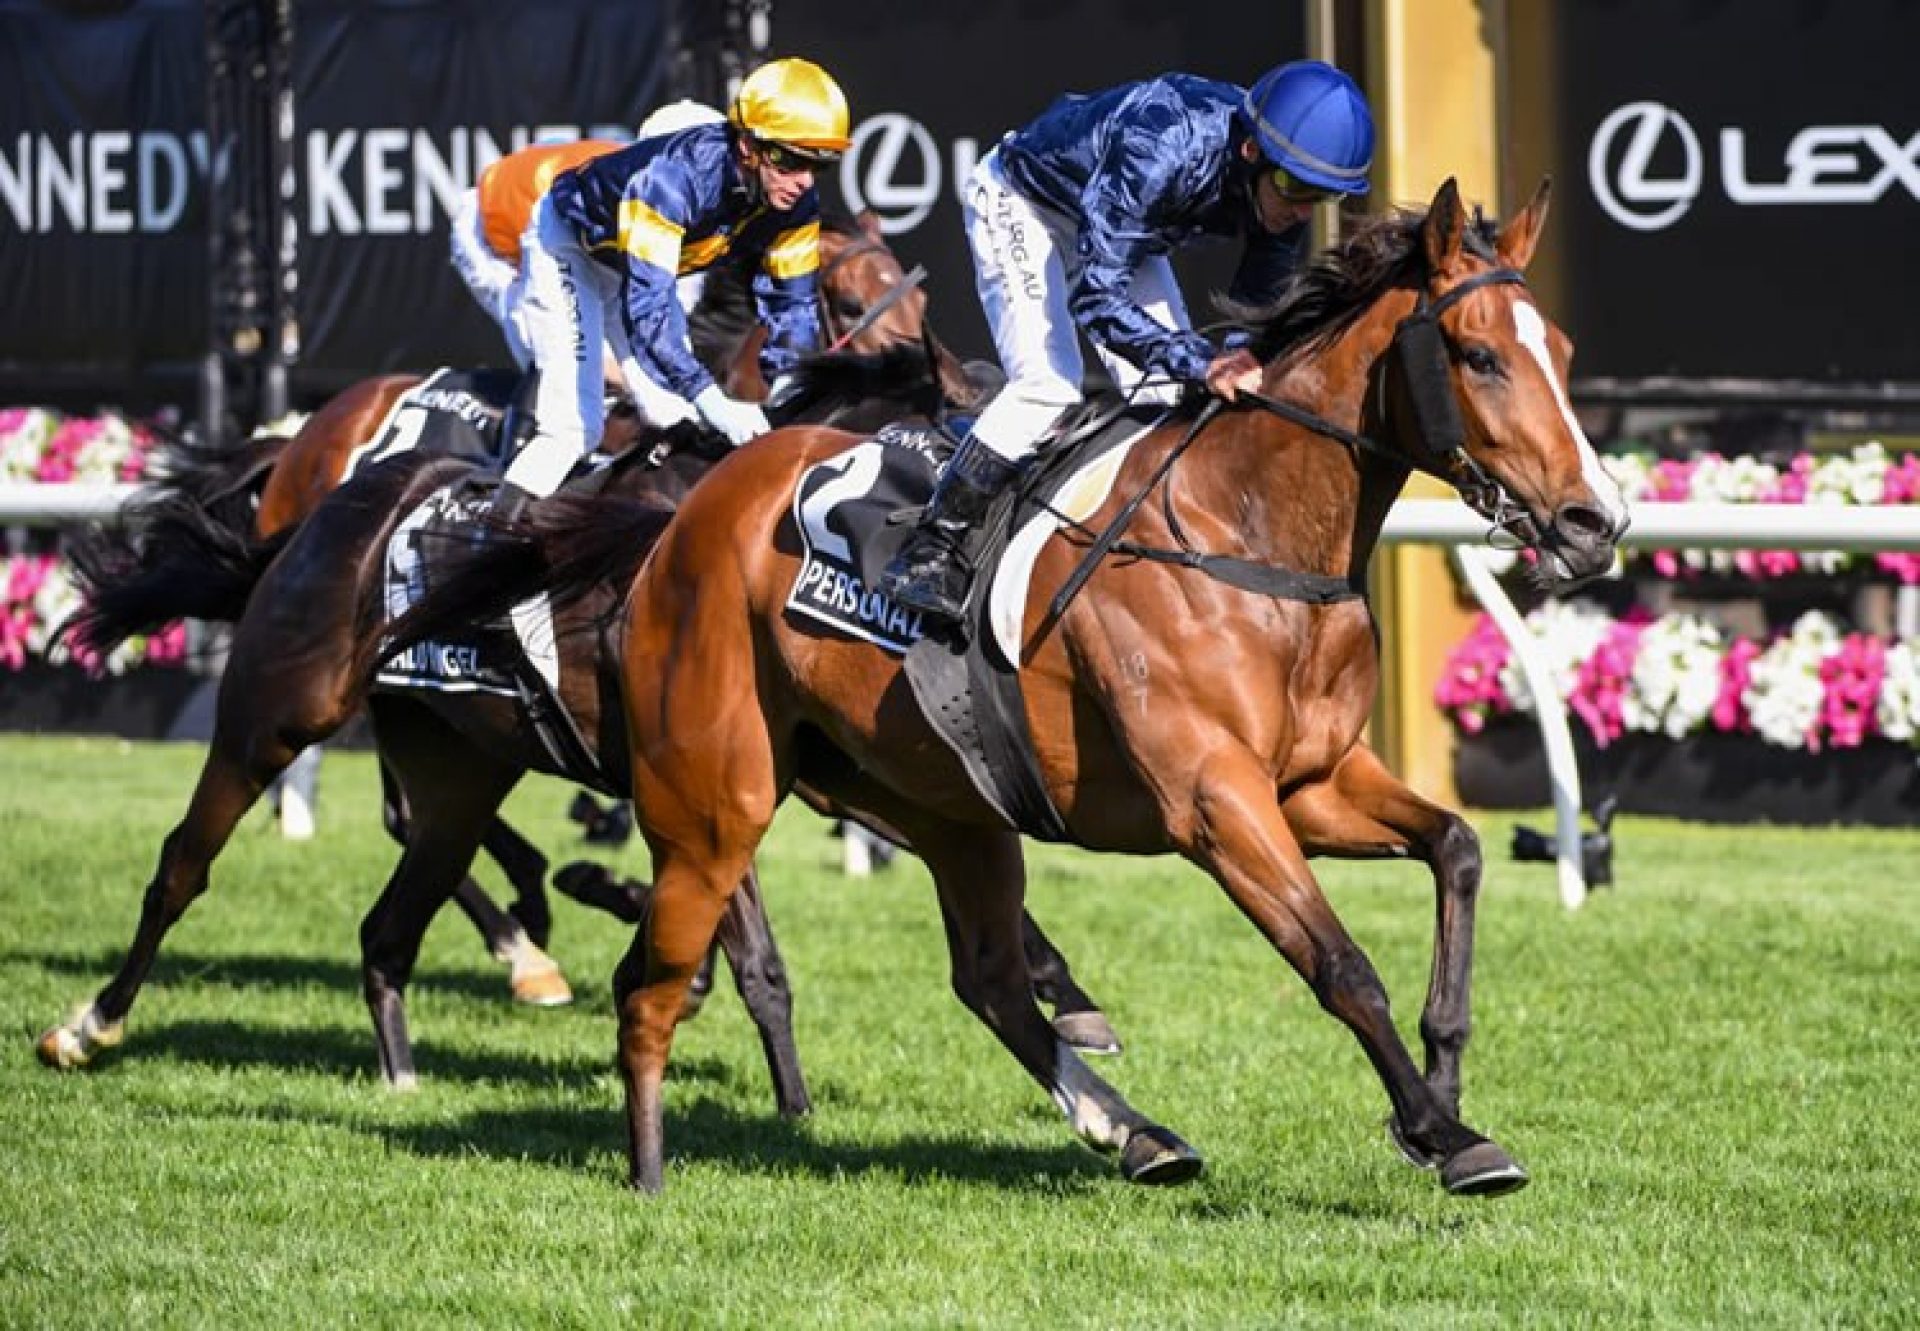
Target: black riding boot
934	569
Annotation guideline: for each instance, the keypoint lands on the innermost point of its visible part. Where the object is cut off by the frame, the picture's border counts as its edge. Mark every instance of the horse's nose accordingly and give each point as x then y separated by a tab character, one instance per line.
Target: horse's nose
1585	524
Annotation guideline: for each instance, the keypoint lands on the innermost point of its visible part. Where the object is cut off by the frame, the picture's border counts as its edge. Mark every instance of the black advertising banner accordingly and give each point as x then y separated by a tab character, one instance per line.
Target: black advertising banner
398	105
103	163
1740	188
934	86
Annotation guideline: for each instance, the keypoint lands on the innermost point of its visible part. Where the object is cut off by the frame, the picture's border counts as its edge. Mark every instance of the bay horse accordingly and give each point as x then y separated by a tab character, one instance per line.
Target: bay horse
296	672
1414	345
869	305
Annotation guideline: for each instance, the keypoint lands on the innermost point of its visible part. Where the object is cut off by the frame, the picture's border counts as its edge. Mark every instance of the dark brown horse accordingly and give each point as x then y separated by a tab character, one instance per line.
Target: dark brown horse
1414	345
294	675
869	304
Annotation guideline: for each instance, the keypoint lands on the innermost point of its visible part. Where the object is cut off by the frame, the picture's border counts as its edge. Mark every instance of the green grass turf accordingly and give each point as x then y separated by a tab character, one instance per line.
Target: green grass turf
1710	1072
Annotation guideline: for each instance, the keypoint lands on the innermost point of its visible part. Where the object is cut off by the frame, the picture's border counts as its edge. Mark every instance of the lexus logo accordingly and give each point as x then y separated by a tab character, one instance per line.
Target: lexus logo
1823	165
894	167
1619	178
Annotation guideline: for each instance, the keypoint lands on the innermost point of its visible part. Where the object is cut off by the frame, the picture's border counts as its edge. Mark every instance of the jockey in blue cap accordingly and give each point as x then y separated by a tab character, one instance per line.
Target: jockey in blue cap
1071	220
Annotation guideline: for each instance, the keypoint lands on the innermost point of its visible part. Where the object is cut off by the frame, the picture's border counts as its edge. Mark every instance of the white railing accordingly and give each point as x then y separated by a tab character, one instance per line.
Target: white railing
1658	527
1412	521
29	505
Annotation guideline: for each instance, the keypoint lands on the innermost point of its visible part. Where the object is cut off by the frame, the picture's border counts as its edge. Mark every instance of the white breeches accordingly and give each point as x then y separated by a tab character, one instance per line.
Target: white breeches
1025	264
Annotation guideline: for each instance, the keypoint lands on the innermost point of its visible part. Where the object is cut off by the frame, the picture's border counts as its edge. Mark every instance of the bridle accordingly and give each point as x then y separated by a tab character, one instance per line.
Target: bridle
1422	347
874	312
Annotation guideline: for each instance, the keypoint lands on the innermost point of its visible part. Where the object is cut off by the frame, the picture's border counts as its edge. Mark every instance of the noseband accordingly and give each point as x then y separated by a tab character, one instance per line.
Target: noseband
1422	347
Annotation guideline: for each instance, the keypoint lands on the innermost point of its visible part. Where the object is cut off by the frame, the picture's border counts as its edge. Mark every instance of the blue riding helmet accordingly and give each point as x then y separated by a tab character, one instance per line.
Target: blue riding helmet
1312	121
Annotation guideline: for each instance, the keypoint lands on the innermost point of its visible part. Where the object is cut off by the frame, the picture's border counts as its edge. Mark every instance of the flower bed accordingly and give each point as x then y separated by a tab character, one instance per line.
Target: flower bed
1868	475
1677	717
37	445
37	591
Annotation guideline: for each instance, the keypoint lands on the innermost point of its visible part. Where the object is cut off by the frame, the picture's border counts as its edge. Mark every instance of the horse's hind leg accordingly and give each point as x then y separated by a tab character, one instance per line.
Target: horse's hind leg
1240	837
526	868
451	789
981	881
237	770
534	977
1076	1016
1365	812
758	973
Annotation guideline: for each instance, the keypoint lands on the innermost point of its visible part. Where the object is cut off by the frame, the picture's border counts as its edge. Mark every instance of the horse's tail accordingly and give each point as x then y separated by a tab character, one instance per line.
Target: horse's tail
183	548
225	481
568	547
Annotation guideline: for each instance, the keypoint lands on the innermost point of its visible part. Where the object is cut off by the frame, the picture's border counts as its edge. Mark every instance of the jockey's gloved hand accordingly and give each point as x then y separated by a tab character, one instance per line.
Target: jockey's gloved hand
738	421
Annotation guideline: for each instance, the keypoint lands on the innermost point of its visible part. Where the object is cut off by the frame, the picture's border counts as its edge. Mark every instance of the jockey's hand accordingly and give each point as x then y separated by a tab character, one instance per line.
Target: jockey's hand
1232	373
738	421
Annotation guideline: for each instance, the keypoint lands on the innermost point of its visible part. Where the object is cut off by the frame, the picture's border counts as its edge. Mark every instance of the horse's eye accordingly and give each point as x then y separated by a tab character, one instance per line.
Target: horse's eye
1480	360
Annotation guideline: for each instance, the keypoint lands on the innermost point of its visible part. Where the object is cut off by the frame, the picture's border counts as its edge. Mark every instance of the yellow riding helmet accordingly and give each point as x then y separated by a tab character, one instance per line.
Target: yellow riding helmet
794	103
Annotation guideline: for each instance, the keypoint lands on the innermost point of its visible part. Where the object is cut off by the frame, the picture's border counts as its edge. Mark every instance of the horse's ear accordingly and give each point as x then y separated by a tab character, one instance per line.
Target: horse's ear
1520	236
1446	222
869	223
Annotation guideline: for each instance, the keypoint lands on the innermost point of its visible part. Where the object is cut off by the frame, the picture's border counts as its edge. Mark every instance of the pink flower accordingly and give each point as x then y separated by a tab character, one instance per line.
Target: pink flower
1600	689
1736	672
1852	677
1670	481
1469	685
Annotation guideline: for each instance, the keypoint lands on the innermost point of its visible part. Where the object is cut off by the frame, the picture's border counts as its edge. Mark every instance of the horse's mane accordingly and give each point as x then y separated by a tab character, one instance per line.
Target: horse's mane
1344	280
900	373
726	310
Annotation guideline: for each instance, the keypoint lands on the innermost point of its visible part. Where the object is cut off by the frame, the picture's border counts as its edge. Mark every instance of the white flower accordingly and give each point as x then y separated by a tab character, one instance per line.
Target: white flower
1567	634
1898	710
1676	677
1784	690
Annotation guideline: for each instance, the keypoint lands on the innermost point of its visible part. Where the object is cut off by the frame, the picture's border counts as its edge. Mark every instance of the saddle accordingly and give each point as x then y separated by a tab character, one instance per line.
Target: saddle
852	513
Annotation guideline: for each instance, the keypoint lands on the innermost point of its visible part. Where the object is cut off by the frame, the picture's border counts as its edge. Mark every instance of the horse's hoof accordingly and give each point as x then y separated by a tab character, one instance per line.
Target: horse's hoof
1158	1157
1482	1170
74	1043
1412	1154
60	1048
541	987
1088	1032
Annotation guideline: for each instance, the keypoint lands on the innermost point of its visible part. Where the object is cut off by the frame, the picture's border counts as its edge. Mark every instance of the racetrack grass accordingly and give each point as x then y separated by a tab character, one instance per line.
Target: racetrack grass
1710	1072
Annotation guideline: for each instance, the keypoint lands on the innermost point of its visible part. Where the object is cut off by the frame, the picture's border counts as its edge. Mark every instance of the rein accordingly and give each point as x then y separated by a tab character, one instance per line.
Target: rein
1421	344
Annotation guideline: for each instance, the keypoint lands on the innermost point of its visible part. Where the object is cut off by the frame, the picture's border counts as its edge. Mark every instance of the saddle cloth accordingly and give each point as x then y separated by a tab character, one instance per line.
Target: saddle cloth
852	513
452	413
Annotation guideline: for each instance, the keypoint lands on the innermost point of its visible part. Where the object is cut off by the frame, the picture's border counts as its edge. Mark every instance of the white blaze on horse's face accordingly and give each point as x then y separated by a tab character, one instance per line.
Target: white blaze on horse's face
1531	330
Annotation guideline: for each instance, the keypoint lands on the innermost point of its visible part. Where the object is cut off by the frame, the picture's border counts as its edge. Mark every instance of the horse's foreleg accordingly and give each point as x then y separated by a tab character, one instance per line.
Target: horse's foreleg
758	973
1365	812
229	785
1240	837
1076	1016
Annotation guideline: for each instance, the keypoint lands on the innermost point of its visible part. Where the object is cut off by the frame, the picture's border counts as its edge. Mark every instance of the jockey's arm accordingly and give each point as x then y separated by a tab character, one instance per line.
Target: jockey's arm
785	289
653	218
1122	194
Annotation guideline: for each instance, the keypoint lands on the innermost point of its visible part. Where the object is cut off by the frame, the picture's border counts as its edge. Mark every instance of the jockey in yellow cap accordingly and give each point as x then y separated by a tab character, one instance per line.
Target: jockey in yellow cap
605	246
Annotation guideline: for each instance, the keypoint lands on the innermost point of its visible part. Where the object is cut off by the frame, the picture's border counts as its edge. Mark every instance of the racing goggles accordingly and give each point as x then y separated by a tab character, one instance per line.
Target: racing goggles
1295	190
786	157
